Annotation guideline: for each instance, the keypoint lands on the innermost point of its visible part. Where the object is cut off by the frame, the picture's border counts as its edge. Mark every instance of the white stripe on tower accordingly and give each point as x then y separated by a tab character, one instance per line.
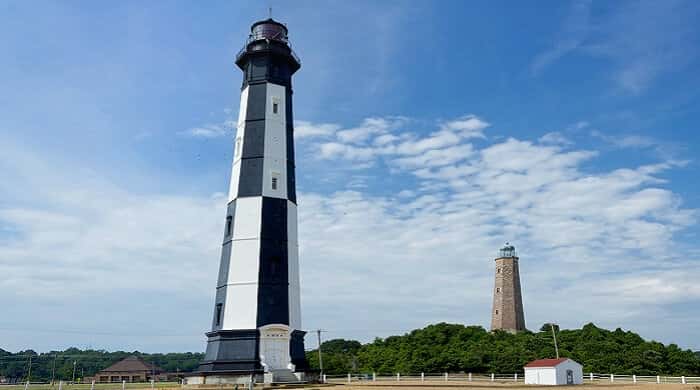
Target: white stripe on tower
238	147
293	268
240	307
275	162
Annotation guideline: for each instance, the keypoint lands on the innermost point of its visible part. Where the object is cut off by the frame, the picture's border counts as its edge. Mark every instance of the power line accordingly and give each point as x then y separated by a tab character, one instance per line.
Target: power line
70	357
97	333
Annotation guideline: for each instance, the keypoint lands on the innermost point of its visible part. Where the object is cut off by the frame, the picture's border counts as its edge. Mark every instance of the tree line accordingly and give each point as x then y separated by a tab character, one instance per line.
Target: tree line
15	367
434	349
457	348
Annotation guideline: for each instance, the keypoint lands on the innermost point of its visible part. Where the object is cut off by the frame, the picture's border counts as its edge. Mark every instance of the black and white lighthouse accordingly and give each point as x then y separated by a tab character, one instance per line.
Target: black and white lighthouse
256	322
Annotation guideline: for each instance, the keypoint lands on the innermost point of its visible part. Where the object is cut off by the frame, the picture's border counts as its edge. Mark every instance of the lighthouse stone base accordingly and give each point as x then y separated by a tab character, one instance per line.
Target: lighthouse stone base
280	376
269	354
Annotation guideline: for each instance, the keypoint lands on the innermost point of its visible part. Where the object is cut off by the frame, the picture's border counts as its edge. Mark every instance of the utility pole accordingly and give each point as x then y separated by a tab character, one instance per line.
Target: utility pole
53	370
74	364
320	358
554	335
29	371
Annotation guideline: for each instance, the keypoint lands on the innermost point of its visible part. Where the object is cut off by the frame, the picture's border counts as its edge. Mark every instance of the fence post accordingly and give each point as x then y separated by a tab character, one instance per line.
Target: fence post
470	377
324	378
658	379
374	377
349	378
26	385
612	378
422	377
398	377
60	385
123	385
590	375
493	377
516	376
634	378
153	383
446	377
92	385
683	379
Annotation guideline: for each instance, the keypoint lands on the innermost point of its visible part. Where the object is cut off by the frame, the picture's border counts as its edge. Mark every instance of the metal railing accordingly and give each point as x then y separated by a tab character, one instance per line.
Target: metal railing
67	385
518	377
250	40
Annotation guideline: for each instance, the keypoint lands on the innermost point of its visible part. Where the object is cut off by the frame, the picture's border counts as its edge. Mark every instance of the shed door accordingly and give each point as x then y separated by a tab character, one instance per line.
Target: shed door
569	377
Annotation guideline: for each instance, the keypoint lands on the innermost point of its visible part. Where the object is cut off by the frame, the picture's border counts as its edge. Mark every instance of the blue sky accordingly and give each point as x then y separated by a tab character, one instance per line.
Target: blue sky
428	134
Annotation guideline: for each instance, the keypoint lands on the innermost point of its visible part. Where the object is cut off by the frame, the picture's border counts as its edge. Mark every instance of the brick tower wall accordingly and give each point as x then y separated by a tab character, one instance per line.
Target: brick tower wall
507	312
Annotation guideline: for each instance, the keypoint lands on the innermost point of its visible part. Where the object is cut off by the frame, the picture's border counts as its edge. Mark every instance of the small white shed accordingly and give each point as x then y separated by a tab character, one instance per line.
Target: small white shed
562	371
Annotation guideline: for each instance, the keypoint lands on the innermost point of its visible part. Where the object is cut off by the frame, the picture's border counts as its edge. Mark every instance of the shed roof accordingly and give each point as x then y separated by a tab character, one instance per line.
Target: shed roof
546	362
132	363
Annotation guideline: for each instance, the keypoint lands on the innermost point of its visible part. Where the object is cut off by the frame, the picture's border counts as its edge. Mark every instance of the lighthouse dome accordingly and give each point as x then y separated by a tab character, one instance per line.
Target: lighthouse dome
268	29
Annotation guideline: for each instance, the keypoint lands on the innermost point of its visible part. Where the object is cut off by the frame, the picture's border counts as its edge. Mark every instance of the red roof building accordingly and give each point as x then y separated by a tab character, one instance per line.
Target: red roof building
546	362
563	371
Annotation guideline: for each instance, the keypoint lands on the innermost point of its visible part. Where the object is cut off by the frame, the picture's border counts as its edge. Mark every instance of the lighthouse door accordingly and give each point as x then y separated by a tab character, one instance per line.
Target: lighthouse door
274	347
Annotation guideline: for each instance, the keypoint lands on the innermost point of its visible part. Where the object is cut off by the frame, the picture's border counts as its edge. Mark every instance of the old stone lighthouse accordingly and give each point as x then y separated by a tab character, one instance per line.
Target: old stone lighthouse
507	312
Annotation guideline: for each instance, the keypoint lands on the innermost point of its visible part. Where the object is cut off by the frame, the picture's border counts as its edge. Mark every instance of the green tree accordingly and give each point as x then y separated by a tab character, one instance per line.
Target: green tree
456	348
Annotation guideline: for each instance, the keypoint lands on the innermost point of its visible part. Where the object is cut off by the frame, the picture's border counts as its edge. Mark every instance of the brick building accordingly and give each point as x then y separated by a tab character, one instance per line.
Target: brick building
507	313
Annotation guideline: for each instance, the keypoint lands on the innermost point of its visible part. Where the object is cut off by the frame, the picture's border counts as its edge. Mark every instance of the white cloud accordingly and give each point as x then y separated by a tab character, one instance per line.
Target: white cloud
554	138
436	157
573	229
208	131
81	247
342	151
370	127
304	129
637	54
386	137
625	141
605	240
574	31
469	126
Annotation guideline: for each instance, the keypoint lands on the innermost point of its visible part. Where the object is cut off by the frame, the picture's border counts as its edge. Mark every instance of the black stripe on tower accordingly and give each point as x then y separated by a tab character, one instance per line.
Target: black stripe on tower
296	350
291	178
254	139
251	175
257	96
224	265
273	277
267	66
233	351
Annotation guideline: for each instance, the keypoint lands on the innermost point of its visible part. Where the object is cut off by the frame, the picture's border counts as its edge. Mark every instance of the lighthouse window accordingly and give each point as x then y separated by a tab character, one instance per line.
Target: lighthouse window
498	290
219	308
496	311
229	223
498	270
238	146
275	105
274	184
275	265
